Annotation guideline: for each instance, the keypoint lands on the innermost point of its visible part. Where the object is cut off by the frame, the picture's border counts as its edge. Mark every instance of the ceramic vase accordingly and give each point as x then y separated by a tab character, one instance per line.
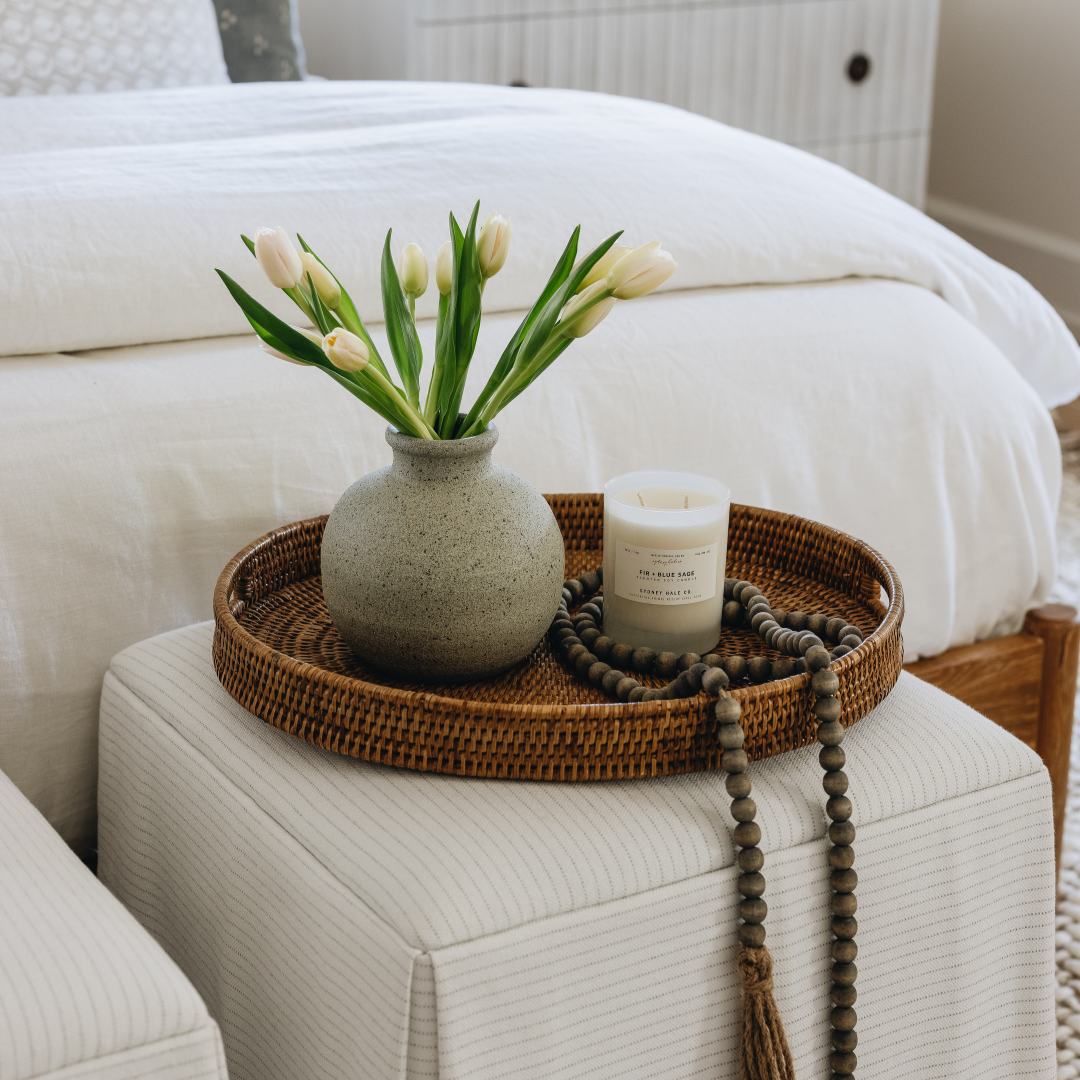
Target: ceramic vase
444	567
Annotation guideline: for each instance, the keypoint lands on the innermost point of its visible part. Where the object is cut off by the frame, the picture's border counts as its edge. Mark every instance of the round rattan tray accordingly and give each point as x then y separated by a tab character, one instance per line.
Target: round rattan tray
277	653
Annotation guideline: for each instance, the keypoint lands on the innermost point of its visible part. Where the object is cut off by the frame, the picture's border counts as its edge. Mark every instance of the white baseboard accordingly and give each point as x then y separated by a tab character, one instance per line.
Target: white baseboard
1049	261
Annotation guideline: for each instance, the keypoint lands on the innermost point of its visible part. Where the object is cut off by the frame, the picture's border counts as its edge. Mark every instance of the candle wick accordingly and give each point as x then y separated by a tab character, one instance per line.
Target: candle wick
640	499
686	502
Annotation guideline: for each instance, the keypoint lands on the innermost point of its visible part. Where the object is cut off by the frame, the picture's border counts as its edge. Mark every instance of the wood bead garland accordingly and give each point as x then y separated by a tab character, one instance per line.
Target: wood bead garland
765	1051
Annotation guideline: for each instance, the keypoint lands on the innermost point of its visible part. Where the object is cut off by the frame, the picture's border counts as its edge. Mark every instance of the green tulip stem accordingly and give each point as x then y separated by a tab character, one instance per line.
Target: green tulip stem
415	420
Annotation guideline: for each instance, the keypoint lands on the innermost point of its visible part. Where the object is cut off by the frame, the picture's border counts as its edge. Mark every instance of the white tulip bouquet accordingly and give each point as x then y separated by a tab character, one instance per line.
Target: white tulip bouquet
577	297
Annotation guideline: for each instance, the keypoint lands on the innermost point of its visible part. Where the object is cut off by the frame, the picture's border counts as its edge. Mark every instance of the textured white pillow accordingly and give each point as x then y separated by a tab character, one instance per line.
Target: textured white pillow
79	46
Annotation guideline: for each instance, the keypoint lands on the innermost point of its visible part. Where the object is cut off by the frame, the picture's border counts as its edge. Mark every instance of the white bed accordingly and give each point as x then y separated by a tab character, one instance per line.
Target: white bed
823	347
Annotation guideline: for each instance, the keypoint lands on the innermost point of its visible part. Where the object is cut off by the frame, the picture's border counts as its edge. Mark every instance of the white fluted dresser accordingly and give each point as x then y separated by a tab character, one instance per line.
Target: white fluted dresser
848	80
347	920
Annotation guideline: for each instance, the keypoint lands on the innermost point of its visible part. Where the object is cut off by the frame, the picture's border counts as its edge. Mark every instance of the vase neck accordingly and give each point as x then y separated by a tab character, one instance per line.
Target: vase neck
442	461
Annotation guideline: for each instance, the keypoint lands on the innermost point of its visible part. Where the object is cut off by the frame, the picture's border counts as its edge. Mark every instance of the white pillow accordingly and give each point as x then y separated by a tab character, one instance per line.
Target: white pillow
79	46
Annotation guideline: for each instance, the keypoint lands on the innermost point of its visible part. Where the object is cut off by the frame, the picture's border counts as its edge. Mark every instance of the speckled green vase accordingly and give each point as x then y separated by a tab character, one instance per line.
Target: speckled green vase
444	567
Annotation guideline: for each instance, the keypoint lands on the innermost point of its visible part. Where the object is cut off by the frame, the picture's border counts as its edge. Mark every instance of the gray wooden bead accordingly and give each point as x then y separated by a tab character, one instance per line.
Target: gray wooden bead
735	666
844	1040
759	669
817	624
817	658
852	631
597	672
643	659
713	659
830	734
842	833
844	903
737	785
621	654
602	646
567	596
757	602
590	582
624	687
843	1065
583	622
695	673
759	618
842	856
729	584
796	620
734	761
666	666
779	614
843	1019
590	636
583	663
800	666
844	881
746	810
832	757
770	632
850	642
564	632
741	593
747	834
751	859
833	628
750	884
575	588
825	683
575	651
782	668
843	995
753	909
727	710
845	974
835	782
752	935
688	660
732	613
844	926
843	952
611	679
839	808
841	650
731	736
593	610
637	693
653	694
683	686
714	680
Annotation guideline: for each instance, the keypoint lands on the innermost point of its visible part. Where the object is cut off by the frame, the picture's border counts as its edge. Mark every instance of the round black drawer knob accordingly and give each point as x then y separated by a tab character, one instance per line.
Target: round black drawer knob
858	67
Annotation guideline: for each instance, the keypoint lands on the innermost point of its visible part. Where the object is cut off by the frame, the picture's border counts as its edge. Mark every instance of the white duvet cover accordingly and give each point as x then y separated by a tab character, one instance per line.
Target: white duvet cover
823	347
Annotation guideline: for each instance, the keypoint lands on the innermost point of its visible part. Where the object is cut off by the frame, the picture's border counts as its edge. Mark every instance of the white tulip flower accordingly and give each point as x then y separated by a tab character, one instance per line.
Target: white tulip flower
579	325
328	289
345	350
640	272
606	262
444	269
281	356
277	257
493	244
413	271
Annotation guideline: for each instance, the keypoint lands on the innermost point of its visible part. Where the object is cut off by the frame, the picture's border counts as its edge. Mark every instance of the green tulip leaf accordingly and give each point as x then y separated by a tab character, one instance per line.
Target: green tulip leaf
400	329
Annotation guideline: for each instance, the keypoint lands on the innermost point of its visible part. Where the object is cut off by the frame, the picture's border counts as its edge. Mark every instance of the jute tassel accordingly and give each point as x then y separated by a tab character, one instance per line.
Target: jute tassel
765	1051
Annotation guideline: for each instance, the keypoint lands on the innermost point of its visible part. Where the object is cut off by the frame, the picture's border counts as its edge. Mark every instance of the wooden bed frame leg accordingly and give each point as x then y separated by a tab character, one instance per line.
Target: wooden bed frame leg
1059	628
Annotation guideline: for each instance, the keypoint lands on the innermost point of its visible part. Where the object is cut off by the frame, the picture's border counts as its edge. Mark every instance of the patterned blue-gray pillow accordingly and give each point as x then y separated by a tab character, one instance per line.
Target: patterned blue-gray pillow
261	40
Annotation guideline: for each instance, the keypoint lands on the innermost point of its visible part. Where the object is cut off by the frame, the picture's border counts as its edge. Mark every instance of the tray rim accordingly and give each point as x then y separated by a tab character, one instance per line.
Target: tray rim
609	712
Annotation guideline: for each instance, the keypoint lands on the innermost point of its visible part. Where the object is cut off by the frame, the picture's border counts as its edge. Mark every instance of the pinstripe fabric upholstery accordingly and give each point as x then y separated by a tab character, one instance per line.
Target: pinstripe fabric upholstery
84	990
344	919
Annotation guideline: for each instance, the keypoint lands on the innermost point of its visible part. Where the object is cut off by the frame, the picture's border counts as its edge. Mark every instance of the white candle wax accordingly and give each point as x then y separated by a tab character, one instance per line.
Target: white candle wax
665	546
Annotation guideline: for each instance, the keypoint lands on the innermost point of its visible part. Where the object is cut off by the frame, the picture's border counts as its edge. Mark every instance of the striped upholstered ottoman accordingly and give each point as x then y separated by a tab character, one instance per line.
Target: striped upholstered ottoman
348	920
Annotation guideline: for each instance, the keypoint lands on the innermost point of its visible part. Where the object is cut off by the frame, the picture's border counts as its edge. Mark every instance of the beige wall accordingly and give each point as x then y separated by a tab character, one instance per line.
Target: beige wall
355	39
1005	151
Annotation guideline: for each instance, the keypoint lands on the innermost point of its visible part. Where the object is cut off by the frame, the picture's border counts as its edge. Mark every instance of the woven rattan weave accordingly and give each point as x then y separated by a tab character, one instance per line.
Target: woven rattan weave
277	653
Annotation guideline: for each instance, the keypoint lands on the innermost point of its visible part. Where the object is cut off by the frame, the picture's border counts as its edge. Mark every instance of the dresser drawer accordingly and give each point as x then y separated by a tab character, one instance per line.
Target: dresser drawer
780	69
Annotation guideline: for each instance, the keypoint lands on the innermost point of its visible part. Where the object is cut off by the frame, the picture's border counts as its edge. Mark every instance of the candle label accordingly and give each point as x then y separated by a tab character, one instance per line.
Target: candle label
665	577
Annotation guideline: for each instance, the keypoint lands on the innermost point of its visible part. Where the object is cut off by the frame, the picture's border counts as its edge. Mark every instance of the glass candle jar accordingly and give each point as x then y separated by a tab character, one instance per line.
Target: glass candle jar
665	546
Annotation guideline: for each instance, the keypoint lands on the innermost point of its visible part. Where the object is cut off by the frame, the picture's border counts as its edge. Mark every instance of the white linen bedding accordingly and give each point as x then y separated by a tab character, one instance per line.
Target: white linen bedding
823	348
